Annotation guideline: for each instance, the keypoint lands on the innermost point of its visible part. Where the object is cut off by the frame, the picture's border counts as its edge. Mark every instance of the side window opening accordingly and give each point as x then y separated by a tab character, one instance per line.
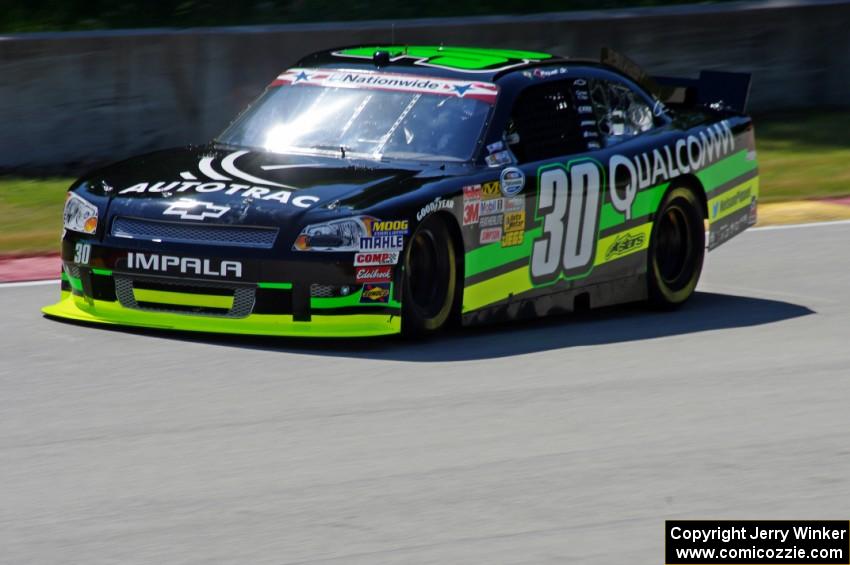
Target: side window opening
620	113
545	124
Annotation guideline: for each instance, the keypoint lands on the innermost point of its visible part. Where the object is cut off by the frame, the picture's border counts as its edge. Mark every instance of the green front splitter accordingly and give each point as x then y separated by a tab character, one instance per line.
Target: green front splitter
103	312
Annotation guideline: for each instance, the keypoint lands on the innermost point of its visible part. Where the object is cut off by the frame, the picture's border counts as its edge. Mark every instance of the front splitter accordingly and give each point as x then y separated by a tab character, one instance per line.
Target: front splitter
73	307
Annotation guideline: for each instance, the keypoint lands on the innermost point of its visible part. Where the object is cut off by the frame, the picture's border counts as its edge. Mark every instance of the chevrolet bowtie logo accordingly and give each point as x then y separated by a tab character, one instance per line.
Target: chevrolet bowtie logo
189	209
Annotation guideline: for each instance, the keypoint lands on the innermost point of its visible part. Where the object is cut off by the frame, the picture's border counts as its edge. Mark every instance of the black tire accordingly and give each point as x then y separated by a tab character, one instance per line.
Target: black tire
676	249
430	286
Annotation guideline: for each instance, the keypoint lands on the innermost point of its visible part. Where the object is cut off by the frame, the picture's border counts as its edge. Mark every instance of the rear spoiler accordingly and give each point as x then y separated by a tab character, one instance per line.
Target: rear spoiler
726	89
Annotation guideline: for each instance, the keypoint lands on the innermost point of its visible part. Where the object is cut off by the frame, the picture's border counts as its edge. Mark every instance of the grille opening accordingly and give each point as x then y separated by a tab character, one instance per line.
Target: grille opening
181	232
242	304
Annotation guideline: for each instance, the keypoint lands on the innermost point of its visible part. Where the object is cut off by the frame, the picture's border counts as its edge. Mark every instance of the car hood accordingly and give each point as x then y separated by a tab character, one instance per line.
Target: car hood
237	186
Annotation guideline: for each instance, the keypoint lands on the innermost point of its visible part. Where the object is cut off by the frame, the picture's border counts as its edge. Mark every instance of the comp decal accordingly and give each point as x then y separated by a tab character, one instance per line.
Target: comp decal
482	91
234	182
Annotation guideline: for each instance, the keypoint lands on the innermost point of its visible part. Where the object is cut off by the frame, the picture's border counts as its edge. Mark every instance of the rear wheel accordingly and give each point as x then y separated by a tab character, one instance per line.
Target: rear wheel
676	249
430	278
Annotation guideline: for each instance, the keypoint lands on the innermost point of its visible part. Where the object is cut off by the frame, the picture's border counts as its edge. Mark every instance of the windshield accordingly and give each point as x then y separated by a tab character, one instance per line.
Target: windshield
366	114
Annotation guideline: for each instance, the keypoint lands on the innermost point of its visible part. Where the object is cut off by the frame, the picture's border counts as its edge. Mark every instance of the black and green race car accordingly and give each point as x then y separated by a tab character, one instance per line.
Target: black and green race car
380	189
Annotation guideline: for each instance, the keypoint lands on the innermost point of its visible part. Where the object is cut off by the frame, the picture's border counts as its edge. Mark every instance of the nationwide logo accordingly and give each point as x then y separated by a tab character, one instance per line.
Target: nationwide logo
374	274
189	209
232	181
483	91
624	245
379	292
183	265
366	259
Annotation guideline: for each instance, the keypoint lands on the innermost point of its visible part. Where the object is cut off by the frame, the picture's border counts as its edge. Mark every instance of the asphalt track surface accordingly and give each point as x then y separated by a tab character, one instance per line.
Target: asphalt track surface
562	441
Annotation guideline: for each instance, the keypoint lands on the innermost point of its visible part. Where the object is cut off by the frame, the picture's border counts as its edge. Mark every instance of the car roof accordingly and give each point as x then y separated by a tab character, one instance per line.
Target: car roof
464	63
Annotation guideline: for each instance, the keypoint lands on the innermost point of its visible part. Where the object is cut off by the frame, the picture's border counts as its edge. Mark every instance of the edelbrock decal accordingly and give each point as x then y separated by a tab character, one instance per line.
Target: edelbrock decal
183	265
218	182
189	209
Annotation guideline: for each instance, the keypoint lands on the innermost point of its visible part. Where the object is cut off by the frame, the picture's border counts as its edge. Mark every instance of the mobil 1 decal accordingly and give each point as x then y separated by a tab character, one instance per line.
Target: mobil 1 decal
568	204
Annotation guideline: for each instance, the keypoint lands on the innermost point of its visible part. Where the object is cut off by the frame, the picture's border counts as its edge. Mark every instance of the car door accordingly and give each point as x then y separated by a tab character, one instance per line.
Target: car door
573	135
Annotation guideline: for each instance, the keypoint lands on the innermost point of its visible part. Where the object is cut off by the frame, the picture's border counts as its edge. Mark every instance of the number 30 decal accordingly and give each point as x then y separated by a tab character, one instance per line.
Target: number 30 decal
568	203
82	253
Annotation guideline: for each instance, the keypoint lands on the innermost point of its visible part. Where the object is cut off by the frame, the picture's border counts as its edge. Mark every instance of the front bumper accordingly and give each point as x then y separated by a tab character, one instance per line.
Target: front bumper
105	291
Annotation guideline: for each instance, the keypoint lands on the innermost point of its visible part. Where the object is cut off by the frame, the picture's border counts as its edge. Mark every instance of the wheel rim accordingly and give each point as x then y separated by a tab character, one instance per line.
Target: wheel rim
674	253
428	269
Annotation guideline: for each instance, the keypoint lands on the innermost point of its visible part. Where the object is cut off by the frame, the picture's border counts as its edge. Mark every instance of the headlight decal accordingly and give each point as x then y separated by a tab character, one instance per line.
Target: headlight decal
79	215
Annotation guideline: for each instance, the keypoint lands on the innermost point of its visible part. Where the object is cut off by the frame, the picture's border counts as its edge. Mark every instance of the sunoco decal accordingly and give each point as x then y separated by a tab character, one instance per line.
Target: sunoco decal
234	182
375	293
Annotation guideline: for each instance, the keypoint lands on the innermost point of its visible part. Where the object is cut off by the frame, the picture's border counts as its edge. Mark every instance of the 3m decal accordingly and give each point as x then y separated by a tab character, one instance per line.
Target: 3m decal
471	212
366	259
268	191
375	293
188	209
568	205
373	274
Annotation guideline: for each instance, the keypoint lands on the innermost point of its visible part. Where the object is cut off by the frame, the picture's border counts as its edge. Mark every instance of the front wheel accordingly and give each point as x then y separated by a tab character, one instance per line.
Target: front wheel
676	249
430	278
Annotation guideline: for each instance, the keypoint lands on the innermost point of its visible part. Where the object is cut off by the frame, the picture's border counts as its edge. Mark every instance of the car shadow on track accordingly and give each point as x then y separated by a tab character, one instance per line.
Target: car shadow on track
704	312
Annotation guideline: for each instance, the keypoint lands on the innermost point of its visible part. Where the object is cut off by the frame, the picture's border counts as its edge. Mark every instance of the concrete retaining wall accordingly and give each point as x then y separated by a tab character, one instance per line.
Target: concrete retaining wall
68	100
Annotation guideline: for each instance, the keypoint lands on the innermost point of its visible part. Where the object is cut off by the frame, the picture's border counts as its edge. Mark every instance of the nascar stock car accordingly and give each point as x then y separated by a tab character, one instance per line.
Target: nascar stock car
380	189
